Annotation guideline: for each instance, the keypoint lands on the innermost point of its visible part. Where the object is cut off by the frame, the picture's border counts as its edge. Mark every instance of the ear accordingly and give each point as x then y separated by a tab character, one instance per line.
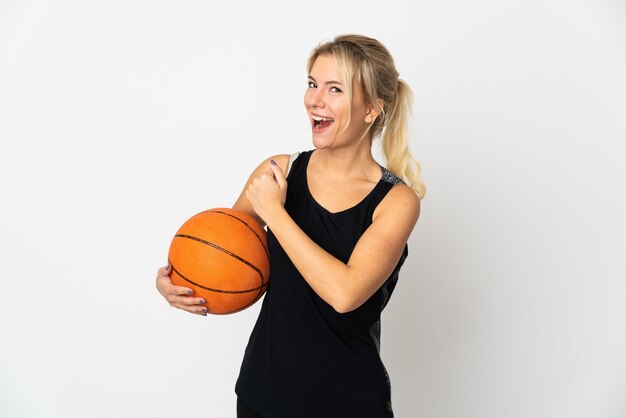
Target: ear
374	111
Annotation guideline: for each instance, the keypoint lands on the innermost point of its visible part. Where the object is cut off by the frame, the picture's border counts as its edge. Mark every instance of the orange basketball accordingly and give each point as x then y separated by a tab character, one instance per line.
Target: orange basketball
222	255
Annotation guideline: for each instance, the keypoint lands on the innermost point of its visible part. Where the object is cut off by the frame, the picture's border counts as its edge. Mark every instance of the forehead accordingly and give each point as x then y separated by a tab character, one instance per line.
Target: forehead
324	67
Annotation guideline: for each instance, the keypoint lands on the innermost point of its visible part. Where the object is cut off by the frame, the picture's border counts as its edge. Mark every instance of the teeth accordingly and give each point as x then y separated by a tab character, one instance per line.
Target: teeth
319	118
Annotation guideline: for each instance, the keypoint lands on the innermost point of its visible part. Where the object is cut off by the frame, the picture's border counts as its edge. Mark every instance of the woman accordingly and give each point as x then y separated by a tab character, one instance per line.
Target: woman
338	224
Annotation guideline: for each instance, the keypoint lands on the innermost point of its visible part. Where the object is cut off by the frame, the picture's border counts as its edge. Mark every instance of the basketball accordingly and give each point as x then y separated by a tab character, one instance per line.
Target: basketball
222	255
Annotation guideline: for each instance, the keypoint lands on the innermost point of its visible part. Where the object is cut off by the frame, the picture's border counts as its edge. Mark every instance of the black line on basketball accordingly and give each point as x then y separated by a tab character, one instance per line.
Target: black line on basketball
246	224
224	250
252	302
254	232
210	288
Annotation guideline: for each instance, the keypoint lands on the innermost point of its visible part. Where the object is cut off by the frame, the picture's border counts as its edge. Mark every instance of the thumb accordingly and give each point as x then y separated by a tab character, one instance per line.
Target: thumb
164	273
278	174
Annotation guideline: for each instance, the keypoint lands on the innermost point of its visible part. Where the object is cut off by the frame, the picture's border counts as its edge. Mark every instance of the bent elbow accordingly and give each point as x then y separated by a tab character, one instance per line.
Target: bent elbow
346	305
347	298
341	309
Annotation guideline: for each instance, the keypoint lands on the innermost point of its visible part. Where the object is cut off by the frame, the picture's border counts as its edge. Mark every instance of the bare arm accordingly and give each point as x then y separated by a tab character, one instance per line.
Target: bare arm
345	286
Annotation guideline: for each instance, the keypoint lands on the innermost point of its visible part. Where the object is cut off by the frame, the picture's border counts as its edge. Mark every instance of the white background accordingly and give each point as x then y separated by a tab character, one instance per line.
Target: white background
120	119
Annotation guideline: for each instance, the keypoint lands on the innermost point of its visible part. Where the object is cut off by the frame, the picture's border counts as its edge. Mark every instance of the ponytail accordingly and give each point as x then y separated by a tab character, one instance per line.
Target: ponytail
394	142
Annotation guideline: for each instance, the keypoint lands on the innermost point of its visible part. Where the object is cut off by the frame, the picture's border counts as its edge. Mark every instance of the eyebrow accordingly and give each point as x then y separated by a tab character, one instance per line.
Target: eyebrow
328	82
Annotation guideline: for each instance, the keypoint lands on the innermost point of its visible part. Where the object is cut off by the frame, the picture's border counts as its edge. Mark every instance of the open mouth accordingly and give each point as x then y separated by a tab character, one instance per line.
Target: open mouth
321	123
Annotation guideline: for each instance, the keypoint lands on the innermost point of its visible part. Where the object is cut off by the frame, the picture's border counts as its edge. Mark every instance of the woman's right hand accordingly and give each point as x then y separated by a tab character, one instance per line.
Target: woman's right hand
178	296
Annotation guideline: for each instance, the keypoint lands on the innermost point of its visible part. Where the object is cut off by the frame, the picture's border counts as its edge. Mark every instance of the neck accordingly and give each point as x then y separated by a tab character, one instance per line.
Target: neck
349	161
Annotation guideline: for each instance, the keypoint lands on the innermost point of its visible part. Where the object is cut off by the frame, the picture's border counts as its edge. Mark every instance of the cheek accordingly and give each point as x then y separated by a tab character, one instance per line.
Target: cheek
342	111
307	97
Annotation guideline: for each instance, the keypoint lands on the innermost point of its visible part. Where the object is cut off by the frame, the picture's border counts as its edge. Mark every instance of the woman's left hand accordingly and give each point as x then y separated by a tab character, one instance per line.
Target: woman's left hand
267	192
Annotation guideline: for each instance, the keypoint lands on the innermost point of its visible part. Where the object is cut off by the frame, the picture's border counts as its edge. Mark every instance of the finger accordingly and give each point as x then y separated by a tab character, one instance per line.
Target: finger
163	281
186	301
181	291
278	174
181	303
164	271
190	304
166	287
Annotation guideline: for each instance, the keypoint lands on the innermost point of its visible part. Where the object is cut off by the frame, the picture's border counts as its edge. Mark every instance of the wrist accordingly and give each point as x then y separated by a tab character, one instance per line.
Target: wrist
275	217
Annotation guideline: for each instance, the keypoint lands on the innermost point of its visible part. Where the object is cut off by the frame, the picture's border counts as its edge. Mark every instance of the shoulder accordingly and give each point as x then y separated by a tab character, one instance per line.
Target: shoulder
400	201
281	159
286	161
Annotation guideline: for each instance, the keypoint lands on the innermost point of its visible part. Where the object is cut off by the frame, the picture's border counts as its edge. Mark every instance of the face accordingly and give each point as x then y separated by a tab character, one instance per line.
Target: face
329	109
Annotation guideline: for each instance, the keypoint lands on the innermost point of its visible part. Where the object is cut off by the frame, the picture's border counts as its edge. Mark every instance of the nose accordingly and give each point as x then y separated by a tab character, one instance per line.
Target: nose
314	98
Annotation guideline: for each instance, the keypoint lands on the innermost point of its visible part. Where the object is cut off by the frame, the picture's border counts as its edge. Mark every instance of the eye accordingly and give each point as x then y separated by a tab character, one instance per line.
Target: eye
312	85
335	90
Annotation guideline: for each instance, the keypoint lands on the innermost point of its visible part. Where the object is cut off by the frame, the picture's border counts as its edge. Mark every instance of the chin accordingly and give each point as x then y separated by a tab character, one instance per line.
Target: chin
330	138
322	142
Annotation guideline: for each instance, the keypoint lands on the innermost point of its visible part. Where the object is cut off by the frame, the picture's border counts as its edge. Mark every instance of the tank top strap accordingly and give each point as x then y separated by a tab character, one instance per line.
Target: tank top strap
292	158
387	181
298	162
389	177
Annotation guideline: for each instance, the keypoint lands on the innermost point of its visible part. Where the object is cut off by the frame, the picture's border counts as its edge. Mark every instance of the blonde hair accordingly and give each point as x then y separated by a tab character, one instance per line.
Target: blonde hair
368	61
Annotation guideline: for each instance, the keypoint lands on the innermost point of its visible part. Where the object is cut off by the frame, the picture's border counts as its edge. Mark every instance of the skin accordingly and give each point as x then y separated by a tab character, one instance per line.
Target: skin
341	172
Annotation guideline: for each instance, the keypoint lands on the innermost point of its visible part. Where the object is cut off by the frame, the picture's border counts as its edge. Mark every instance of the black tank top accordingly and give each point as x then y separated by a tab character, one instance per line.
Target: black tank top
303	358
